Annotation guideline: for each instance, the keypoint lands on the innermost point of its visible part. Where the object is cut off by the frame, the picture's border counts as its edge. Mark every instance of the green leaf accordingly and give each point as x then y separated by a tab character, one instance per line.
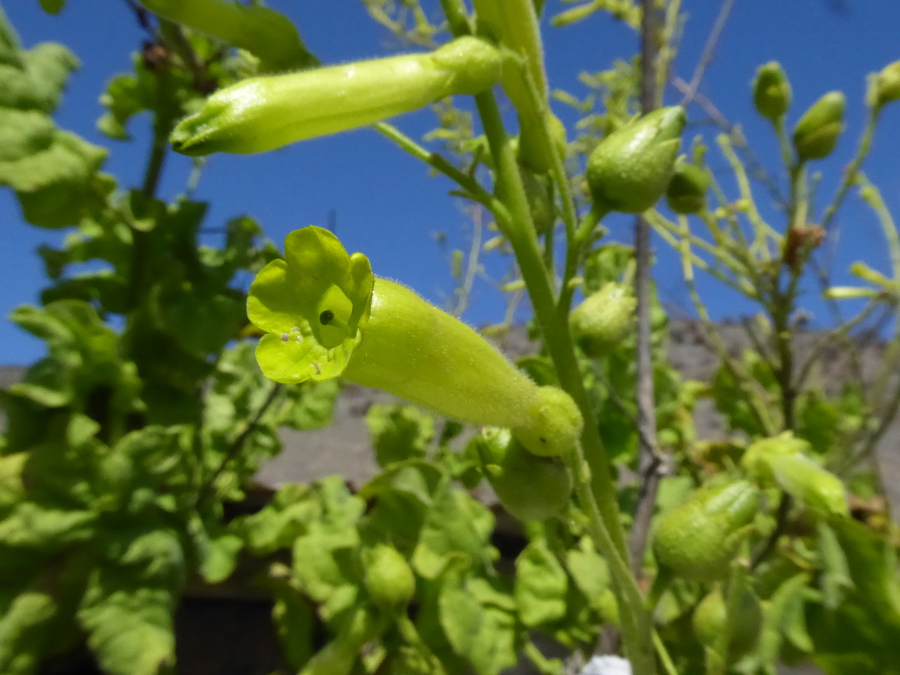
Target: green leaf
12	491
260	30
326	561
783	619
836	578
130	600
220	558
449	531
399	432
129	625
541	585
589	571
59	184
861	635
483	634
24	633
310	405
282	520
30	525
53	6
294	619
33	79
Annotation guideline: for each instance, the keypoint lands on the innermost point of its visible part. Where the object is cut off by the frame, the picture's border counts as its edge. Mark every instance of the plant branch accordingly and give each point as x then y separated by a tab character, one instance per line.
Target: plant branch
709	50
238	443
649	460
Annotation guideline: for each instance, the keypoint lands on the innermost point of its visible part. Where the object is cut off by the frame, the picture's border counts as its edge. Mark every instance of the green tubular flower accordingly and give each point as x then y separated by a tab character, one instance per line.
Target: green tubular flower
261	31
263	113
326	315
783	461
528	486
771	91
630	169
698	539
884	87
818	131
603	320
687	189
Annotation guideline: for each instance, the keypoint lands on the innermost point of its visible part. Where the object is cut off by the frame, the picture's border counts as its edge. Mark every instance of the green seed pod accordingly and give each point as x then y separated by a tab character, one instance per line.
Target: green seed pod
261	31
884	87
687	190
698	539
528	486
771	91
818	131
325	315
263	113
388	577
783	461
630	169
709	622
603	320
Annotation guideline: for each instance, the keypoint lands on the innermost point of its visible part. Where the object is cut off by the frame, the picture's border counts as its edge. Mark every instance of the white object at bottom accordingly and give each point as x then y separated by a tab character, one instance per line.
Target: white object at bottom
607	665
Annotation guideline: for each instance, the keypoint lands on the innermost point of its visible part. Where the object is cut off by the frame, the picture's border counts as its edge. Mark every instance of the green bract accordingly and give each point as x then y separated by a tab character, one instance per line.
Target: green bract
698	539
263	113
630	169
326	315
771	91
817	132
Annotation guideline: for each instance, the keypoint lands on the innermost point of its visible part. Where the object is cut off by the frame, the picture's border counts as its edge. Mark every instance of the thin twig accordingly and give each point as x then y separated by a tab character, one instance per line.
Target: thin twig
472	265
238	443
784	508
709	50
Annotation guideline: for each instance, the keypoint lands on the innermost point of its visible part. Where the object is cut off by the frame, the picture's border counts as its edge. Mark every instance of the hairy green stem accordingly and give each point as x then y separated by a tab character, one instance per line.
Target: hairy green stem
601	495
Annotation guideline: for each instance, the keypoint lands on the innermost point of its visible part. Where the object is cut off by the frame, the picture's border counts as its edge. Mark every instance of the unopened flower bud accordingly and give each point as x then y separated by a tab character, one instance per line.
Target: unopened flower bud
630	169
885	86
263	113
687	189
771	91
603	320
817	132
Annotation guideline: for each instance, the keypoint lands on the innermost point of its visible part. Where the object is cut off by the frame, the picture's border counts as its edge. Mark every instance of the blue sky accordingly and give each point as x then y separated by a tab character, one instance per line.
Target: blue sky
386	203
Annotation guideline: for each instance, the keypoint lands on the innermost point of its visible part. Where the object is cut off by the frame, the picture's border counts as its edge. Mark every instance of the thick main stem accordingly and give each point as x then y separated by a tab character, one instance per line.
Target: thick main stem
607	530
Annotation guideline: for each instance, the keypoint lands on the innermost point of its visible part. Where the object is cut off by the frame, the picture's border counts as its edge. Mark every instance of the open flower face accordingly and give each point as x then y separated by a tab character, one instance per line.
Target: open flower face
312	305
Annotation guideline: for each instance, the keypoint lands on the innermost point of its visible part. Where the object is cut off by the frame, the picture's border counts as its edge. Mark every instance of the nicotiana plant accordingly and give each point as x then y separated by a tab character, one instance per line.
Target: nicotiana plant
123	447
